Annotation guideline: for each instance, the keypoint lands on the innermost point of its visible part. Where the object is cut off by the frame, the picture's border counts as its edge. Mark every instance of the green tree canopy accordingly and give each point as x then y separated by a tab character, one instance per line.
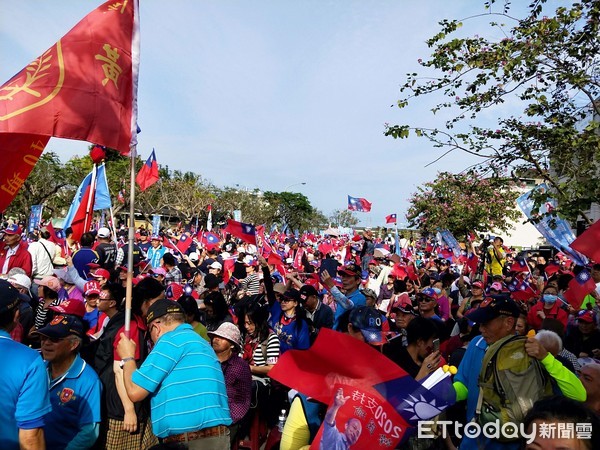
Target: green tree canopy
463	203
547	69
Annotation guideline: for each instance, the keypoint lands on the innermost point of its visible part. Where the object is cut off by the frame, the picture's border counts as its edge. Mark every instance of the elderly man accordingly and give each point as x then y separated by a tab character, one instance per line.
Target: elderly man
75	389
14	251
497	318
590	378
350	296
24	398
334	439
183	378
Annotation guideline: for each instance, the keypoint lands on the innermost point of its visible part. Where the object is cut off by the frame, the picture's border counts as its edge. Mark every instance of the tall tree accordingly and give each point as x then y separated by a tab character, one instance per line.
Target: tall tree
547	69
343	218
463	203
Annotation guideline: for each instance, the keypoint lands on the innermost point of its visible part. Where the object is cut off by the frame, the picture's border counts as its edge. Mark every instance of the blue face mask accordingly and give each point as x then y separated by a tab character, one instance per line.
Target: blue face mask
549	298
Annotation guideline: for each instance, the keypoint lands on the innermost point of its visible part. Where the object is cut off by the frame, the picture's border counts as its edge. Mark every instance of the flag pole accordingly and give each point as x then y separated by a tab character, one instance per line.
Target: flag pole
135	67
131	237
90	200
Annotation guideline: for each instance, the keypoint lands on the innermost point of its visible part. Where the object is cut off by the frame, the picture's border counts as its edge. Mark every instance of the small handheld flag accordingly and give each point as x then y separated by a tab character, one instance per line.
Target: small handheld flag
392	218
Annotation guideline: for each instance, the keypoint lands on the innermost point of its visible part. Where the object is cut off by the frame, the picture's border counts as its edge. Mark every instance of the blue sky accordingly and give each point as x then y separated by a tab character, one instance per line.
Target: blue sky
270	94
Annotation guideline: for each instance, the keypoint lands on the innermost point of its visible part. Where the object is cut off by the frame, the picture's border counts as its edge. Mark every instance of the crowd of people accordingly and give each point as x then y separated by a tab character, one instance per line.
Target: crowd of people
207	325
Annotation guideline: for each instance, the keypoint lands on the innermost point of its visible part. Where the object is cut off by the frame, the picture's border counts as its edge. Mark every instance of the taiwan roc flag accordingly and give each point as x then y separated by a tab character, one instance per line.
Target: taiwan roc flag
148	174
358	204
392	218
244	231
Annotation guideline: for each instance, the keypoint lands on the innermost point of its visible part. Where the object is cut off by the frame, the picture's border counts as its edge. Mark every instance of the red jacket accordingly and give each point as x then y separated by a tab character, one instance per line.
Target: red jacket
556	312
20	259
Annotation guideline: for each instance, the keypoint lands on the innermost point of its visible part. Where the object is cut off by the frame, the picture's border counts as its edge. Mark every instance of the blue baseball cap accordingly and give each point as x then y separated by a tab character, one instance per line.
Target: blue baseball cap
368	320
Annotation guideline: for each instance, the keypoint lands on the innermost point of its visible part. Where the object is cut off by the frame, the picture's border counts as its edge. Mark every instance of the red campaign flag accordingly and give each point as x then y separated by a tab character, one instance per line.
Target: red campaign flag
580	286
244	231
298	259
184	242
588	242
148	174
392	218
20	152
84	87
315	371
365	420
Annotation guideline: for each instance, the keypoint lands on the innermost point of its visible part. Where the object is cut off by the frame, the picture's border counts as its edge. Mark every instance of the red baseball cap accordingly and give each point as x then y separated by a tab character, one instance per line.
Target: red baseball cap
91	287
101	273
71	306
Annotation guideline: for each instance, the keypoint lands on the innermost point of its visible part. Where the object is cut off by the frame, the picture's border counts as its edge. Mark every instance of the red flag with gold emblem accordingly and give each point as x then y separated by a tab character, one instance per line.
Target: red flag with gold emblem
84	87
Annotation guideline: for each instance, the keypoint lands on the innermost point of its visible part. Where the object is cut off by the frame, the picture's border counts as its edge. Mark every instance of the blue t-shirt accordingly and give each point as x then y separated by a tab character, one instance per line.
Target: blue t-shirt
81	259
75	398
468	374
290	336
357	298
186	383
24	399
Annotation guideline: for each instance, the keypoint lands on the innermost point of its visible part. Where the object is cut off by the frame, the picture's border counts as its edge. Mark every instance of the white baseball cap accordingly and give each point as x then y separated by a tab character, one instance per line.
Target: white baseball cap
216	265
103	232
20	279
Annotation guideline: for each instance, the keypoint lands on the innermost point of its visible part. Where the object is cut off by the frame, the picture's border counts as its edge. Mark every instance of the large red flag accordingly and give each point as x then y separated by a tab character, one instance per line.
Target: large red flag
588	243
315	371
20	152
84	87
148	174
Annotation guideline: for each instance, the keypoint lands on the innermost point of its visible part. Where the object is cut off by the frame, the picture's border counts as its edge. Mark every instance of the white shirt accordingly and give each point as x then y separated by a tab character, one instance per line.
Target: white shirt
42	260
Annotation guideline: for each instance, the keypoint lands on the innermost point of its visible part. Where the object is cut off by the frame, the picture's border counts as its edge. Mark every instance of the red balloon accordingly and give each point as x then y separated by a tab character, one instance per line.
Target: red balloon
97	154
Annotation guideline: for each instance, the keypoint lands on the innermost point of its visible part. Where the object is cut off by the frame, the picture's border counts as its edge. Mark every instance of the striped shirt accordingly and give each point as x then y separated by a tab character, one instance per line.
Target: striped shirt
186	383
272	350
251	284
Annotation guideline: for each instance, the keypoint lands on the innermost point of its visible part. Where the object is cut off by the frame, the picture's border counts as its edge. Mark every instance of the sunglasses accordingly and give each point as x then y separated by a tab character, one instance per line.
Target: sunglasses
425	299
284	299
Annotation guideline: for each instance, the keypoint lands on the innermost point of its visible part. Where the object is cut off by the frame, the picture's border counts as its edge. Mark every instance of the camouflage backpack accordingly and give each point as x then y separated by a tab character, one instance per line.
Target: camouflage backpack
510	383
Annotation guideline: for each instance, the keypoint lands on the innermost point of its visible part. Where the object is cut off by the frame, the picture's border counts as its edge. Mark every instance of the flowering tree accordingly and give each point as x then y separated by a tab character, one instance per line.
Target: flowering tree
463	203
547	68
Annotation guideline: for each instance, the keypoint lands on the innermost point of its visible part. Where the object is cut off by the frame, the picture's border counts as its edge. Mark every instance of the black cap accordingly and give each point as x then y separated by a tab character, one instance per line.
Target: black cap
63	326
163	307
493	307
307	291
292	294
9	297
211	281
